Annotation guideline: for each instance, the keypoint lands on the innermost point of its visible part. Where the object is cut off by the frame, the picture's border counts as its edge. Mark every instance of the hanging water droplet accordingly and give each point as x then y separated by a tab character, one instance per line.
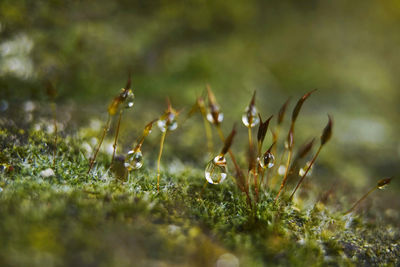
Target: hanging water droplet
168	123
303	170
210	117
250	118
216	170
267	160
129	97
382	187
134	160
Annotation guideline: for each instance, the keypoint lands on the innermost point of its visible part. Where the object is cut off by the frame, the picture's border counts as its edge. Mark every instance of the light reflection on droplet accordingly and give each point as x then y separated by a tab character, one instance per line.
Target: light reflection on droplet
134	160
210	117
169	123
282	170
216	170
303	170
266	161
250	114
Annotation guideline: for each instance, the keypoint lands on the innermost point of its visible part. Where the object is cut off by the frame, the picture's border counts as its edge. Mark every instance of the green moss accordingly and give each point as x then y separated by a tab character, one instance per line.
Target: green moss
73	218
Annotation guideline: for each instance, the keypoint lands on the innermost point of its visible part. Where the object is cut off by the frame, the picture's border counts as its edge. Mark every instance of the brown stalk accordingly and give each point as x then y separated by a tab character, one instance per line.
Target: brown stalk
381	183
326	135
290	138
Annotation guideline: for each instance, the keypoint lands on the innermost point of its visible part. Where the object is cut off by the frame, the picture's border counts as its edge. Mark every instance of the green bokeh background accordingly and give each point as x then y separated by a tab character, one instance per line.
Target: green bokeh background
348	50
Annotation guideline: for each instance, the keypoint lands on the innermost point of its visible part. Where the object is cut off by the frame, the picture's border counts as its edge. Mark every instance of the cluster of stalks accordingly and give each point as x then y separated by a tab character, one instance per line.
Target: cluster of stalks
124	100
261	160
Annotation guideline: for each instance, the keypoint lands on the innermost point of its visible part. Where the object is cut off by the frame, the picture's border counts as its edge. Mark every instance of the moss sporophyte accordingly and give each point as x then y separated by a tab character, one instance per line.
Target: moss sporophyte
263	169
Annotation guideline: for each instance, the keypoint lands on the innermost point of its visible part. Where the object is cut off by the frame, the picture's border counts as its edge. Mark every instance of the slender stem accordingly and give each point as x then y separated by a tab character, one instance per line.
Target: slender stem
159	159
106	127
250	139
244	186
53	107
207	128
361	199
255	175
286	175
306	172
116	137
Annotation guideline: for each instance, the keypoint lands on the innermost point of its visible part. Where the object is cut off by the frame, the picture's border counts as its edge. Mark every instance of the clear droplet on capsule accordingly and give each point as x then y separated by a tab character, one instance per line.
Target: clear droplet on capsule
250	115
134	160
216	170
267	161
169	123
129	97
303	170
210	117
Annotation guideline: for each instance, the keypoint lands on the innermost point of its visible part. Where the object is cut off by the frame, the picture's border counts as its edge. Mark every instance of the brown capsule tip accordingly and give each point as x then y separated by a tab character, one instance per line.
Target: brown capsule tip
148	127
229	140
253	100
305	149
383	182
270	148
211	97
128	83
327	132
262	128
282	111
299	104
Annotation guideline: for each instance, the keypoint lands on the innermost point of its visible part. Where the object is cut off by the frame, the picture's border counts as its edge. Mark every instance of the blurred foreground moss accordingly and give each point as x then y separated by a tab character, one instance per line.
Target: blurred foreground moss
67	217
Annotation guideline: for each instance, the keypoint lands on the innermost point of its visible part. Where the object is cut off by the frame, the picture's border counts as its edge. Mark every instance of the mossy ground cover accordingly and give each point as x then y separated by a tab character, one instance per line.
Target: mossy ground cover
74	218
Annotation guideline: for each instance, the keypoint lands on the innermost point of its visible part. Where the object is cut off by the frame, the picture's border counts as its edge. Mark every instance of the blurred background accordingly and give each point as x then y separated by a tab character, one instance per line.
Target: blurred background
348	50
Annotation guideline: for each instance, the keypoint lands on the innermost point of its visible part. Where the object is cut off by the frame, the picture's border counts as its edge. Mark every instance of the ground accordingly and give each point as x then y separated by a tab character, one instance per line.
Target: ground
68	217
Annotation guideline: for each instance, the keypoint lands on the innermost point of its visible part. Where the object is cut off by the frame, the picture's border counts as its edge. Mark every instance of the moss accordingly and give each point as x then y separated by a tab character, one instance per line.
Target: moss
73	218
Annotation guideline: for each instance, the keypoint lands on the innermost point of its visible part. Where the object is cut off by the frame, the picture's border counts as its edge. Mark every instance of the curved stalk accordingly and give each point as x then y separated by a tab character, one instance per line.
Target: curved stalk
360	200
159	159
306	172
286	175
106	127
116	137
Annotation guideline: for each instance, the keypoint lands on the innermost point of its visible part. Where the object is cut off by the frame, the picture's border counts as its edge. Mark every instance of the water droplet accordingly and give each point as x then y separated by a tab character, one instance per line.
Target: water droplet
282	170
303	170
134	160
250	114
267	160
210	117
1	189
216	170
129	97
169	123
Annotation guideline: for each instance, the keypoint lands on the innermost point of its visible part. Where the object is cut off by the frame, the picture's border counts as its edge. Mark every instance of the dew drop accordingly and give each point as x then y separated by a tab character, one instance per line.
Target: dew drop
303	170
250	114
216	170
282	170
210	117
134	160
129	99
169	123
267	161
